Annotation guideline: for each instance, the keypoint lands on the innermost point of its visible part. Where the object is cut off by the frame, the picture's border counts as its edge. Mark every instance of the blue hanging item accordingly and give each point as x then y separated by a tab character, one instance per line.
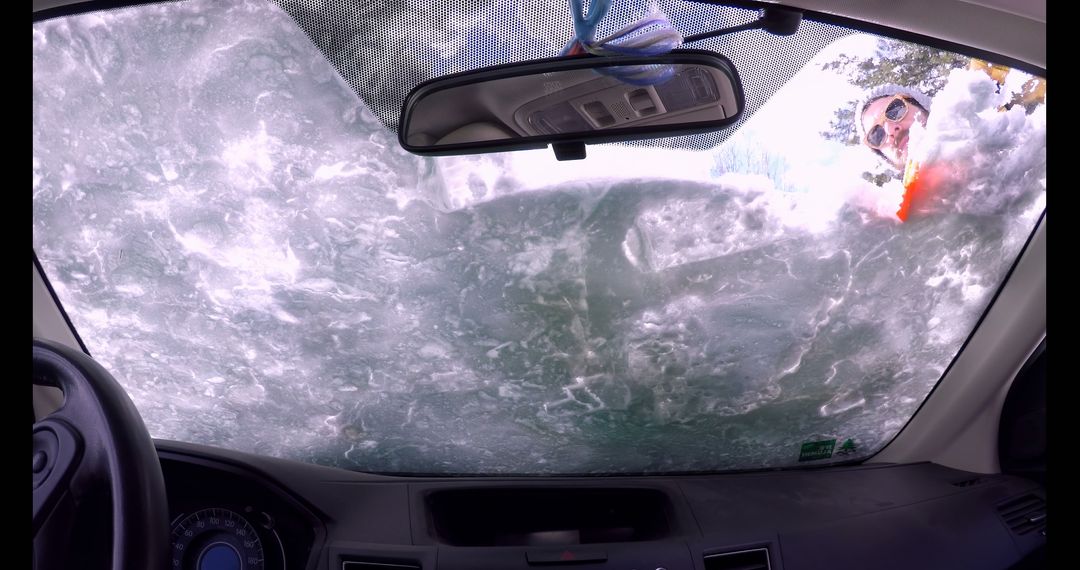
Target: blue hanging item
660	39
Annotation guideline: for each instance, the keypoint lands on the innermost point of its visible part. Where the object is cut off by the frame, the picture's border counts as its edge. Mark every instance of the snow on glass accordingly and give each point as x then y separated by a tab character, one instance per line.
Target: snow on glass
244	245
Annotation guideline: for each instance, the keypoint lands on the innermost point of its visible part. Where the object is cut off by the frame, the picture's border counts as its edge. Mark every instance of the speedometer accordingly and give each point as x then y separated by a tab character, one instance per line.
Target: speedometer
216	539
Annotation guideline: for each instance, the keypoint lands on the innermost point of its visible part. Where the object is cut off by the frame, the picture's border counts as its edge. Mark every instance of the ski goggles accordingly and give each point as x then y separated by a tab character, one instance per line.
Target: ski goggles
895	111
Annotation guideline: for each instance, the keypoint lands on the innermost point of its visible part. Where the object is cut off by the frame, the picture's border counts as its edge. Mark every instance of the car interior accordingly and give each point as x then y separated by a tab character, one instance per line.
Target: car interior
124	480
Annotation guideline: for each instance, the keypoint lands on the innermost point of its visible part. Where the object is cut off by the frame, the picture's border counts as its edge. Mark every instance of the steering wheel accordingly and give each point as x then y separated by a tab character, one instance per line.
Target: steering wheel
96	442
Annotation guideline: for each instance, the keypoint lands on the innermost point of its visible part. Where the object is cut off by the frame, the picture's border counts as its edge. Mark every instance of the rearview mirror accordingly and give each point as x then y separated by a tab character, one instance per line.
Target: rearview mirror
571	101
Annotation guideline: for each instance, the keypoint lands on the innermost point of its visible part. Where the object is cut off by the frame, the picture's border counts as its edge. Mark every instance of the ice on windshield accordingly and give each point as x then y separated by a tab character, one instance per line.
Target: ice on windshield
246	247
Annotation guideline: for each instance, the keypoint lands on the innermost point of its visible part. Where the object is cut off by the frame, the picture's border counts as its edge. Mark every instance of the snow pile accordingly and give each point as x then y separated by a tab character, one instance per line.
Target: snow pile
979	158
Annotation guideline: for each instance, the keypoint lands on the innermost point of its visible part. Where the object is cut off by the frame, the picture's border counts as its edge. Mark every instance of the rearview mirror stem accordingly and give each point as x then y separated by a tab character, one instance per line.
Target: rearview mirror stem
776	21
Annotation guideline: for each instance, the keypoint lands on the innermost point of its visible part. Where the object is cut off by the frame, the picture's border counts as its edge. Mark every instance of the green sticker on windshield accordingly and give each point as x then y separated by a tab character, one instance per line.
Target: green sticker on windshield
848	448
815	450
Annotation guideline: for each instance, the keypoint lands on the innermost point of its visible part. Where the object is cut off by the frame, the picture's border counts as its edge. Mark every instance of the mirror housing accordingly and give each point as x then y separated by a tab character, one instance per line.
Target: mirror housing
571	101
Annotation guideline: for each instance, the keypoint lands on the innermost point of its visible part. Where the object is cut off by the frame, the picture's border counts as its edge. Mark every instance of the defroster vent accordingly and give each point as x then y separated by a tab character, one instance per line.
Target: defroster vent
755	559
370	565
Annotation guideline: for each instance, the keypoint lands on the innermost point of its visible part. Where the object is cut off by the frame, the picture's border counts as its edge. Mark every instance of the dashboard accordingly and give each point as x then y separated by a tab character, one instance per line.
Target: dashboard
243	512
225	516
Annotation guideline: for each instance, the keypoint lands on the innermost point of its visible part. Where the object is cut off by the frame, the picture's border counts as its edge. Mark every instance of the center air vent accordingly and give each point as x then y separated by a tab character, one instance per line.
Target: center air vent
756	559
1024	514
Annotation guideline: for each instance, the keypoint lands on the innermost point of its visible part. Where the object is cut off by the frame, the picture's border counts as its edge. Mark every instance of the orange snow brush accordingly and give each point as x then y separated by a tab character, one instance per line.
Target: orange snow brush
918	181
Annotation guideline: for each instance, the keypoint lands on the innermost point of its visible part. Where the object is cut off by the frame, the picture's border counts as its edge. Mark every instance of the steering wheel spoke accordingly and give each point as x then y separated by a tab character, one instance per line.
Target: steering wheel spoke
58	453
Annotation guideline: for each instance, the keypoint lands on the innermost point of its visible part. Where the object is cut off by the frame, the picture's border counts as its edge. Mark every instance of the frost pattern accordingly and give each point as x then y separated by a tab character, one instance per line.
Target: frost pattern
241	242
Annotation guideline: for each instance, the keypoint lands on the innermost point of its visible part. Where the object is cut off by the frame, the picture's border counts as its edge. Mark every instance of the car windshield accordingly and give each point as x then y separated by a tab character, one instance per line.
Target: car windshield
222	207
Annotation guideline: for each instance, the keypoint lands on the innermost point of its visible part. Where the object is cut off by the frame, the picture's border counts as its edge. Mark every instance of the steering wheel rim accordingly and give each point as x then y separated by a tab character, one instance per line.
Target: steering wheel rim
97	440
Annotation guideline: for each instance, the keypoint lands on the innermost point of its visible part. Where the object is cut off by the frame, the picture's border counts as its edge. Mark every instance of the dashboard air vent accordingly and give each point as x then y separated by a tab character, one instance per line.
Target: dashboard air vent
970	482
359	565
756	559
1024	514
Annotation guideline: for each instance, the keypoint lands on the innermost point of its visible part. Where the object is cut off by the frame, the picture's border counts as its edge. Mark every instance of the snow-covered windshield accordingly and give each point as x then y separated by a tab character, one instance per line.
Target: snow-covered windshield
241	241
